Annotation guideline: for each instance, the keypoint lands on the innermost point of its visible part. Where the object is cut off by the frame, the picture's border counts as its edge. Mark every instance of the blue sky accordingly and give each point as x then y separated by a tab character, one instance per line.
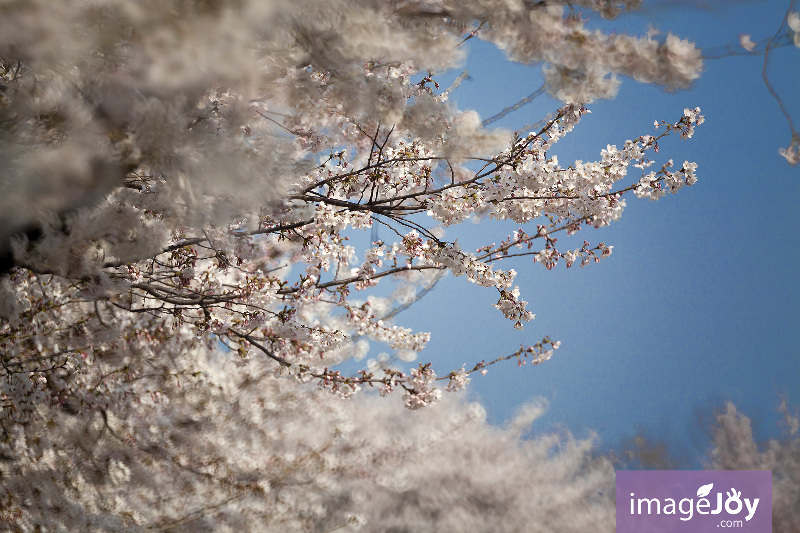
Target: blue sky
699	302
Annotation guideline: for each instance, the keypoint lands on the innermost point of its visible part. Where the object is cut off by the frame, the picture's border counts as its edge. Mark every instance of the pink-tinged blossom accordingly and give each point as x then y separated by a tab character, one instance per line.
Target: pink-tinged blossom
458	380
420	391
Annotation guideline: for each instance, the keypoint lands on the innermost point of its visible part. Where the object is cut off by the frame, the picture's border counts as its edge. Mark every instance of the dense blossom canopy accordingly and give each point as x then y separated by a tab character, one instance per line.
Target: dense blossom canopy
181	182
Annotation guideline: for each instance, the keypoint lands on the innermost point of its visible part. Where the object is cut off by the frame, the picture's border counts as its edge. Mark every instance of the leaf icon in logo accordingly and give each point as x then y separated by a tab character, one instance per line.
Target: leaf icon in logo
703	491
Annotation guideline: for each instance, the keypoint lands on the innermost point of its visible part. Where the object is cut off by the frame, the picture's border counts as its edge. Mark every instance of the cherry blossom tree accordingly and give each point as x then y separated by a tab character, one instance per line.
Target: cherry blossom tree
182	181
736	448
312	144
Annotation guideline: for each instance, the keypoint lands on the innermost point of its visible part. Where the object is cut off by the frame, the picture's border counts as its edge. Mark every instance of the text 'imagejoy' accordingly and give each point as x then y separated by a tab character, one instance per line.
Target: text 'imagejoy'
694	501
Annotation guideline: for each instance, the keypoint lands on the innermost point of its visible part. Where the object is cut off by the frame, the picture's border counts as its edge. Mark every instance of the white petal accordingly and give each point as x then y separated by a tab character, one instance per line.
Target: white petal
746	42
794	22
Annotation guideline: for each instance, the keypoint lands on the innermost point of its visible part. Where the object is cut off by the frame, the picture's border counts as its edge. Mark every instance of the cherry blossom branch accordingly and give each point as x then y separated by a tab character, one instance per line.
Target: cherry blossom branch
765	75
199	240
355	279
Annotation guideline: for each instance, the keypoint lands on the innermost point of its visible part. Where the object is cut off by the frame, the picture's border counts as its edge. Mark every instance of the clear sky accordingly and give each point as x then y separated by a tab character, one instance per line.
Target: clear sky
699	302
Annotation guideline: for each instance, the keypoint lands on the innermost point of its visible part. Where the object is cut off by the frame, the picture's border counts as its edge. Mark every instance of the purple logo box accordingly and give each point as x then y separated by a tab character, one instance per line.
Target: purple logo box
694	501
